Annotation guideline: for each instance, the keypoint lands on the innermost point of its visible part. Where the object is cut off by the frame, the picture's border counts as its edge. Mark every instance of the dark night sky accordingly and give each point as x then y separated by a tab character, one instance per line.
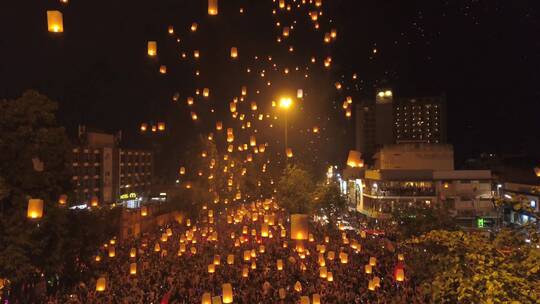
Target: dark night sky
484	55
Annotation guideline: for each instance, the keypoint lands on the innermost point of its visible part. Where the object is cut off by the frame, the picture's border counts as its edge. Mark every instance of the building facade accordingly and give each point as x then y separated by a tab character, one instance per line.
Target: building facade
422	175
389	120
106	173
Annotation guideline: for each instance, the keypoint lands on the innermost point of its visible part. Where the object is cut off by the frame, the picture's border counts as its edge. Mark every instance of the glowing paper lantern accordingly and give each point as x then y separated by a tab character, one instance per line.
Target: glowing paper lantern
161	126
234	52
112	252
400	275
286	31
152	48
206	92
316	298
371	285
279	264
368	269
373	261
230	259
211	268
101	284
354	160
212	7
206	298
245	271
344	257
35	209
331	255
298	286
299	226
401	257
133	253
133	268
289	152
217	260
194	27
163	69
227	293
55	22
157	248
144	211
304	300
144	127
282	293
323	272
264	230
330	277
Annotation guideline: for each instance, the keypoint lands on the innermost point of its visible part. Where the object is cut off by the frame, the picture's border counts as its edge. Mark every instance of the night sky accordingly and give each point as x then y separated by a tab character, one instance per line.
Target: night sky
484	55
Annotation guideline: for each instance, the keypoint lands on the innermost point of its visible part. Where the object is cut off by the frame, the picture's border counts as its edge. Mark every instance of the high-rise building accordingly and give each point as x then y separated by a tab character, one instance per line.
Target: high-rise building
390	120
104	171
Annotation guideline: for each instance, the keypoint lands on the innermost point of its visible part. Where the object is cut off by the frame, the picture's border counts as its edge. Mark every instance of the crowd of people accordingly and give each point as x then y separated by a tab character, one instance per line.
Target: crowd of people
172	263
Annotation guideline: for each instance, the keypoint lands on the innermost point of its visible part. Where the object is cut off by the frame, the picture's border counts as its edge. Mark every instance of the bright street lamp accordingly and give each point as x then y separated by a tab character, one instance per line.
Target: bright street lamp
285	102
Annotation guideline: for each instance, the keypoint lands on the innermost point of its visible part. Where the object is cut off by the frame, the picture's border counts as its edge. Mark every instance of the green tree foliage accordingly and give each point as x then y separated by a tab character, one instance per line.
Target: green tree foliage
329	201
33	165
295	189
461	267
416	220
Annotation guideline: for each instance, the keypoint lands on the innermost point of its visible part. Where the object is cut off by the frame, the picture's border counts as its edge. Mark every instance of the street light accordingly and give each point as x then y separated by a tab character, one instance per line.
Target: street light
285	103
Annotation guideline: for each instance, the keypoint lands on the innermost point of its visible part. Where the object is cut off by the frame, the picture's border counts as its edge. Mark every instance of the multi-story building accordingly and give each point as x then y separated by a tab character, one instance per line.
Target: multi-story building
422	175
104	172
389	120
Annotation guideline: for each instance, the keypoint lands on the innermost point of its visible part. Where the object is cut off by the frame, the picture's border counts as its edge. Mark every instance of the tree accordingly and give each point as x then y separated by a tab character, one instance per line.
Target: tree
461	267
33	165
295	190
415	220
329	200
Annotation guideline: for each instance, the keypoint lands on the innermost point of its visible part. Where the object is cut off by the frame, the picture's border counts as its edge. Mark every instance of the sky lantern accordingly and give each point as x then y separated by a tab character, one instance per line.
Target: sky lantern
144	127
170	29
344	257
300	93
219	126
163	69
286	31
194	27
327	38
298	286
133	252
354	160
333	33
253	106
206	298
318	3
279	264
194	116
101	284
211	268
282	293
323	272
55	22
331	255
304	300
212	7
232	107
161	126
157	247
245	271
371	285
133	268
316	298
190	101
35	209
227	293
230	259
152	48
234	52
373	261
144	211
94	201
289	152
62	199
368	269
330	277
400	274
299	226
206	92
